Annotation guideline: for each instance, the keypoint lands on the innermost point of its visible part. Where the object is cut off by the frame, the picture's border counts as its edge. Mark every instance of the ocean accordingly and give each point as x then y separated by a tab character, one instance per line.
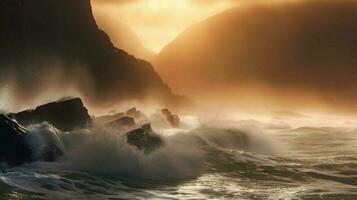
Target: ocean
206	161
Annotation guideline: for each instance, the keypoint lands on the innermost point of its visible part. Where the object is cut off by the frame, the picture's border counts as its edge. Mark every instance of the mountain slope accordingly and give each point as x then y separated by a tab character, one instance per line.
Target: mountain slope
54	48
122	36
304	49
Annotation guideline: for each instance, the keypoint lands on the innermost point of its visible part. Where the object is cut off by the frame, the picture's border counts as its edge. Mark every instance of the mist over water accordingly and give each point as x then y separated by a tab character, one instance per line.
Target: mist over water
199	161
262	76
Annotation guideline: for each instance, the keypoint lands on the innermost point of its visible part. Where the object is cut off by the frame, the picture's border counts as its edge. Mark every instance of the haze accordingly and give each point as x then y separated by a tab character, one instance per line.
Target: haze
290	56
156	22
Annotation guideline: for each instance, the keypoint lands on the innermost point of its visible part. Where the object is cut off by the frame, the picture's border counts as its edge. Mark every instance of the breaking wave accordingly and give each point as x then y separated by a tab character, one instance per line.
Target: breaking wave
196	162
103	151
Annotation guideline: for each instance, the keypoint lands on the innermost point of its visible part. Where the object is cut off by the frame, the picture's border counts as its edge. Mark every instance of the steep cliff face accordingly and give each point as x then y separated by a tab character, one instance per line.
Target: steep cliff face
50	45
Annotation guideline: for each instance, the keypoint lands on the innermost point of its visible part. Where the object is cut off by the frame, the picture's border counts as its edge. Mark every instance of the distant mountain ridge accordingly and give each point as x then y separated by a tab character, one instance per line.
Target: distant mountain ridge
123	37
59	40
299	48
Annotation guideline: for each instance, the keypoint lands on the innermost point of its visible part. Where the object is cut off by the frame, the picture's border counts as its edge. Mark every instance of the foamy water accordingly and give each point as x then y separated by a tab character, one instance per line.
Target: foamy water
200	161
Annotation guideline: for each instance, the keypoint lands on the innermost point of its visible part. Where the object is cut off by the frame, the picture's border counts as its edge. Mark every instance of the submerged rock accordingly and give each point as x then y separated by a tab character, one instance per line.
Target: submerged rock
144	138
66	115
173	119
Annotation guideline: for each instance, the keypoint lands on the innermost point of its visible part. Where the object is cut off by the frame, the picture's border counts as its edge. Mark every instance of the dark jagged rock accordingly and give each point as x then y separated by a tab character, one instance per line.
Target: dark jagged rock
135	125
144	138
173	119
65	115
14	149
35	34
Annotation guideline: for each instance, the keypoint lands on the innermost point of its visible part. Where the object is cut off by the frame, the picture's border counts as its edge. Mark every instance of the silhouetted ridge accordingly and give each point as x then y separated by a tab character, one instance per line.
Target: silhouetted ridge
60	38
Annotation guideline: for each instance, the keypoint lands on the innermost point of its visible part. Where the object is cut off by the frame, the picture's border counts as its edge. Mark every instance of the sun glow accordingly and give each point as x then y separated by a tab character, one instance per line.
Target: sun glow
157	22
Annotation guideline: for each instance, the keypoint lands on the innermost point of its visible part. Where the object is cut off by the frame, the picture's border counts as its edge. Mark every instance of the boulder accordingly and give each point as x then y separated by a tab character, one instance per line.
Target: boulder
66	115
172	119
144	138
138	130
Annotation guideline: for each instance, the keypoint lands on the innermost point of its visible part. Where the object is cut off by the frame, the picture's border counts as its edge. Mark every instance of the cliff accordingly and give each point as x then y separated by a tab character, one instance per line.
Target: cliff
55	45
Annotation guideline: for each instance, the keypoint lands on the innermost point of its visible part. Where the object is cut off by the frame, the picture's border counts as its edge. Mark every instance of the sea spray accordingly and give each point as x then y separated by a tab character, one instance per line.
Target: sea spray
212	161
45	142
184	154
102	150
107	152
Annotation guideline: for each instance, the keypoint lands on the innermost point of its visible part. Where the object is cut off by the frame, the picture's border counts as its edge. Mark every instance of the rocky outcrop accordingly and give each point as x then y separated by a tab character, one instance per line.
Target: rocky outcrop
137	128
66	115
172	119
15	148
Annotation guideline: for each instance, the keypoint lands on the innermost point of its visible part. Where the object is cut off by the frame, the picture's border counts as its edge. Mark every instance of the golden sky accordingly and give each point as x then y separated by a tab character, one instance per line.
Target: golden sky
157	22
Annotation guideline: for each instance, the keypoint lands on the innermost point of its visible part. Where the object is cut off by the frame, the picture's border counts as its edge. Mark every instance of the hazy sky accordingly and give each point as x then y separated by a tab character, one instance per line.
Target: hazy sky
157	22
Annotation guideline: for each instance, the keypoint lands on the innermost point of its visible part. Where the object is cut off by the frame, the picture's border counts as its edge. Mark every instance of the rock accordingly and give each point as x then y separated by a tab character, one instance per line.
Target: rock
104	119
66	115
122	122
137	129
173	119
144	138
14	149
136	114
